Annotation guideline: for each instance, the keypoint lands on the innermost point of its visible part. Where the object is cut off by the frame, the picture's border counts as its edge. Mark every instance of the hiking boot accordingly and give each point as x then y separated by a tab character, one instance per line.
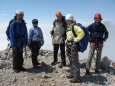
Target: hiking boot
97	72
38	63
36	66
23	69
70	76
87	72
62	64
53	63
16	71
75	81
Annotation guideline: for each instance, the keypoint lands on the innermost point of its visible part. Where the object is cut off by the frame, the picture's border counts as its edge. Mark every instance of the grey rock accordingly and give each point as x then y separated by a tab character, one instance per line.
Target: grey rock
105	63
43	64
41	52
47	54
4	56
4	64
44	75
62	76
9	55
14	79
111	71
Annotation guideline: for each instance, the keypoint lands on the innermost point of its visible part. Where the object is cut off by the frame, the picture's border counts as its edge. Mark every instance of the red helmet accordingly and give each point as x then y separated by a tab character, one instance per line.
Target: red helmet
97	15
58	13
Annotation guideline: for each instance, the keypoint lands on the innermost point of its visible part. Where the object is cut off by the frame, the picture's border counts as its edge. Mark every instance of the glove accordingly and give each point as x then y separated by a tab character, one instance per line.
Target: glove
41	44
52	32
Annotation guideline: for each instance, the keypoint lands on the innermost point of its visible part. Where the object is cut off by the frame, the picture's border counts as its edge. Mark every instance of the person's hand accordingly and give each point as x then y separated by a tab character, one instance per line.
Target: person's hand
104	39
52	32
14	48
41	44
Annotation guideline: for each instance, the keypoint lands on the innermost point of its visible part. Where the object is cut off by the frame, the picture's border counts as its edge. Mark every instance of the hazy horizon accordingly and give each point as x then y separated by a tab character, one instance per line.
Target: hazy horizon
82	10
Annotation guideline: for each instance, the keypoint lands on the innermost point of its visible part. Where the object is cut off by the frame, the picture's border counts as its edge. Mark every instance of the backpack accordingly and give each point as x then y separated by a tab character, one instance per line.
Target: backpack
83	43
63	20
97	33
64	25
8	29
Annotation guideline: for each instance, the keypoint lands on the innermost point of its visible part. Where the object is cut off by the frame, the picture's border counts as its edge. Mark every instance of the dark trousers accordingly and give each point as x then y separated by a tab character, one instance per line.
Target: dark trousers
35	52
17	59
62	49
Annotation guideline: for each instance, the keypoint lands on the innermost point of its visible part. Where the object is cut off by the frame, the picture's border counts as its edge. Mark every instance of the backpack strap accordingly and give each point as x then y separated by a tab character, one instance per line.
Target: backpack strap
74	31
54	23
7	31
15	24
92	29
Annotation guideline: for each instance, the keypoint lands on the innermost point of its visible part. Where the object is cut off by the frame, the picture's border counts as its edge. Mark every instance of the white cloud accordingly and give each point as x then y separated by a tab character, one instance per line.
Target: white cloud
3	14
46	27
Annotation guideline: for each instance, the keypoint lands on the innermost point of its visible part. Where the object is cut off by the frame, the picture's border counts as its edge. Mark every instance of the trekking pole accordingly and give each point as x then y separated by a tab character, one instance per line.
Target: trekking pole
25	52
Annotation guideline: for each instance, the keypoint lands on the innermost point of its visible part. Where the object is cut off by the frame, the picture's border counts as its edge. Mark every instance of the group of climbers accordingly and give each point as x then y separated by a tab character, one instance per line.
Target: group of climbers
65	33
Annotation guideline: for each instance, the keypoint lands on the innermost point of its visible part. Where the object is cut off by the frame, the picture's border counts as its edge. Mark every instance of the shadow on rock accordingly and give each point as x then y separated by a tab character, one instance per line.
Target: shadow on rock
97	79
44	68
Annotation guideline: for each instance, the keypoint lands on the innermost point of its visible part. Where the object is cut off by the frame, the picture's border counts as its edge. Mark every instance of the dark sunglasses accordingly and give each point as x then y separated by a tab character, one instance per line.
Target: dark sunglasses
35	22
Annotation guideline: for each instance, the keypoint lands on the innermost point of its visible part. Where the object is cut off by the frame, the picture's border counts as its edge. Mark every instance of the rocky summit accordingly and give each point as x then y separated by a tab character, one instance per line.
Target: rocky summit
52	75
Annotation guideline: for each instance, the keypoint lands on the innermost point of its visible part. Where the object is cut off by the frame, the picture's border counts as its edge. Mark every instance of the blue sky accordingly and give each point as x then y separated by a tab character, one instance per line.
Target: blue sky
44	10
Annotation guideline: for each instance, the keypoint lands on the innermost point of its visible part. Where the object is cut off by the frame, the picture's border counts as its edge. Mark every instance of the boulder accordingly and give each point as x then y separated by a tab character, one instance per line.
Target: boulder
105	63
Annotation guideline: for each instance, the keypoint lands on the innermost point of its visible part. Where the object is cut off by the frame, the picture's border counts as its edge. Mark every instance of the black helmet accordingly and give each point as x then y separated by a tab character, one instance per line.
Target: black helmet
34	21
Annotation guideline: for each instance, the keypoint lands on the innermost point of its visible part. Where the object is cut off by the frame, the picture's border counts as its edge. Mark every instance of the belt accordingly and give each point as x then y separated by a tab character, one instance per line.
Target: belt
19	36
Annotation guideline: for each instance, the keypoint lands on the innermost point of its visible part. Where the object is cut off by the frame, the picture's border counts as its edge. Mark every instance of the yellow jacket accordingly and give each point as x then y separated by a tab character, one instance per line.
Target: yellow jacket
79	32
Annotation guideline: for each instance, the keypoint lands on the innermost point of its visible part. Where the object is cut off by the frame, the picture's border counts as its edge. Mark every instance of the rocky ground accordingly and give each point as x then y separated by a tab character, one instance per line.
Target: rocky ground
52	75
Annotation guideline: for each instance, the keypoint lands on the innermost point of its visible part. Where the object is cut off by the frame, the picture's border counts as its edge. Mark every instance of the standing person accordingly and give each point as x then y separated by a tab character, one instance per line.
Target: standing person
36	40
98	35
59	36
18	38
72	47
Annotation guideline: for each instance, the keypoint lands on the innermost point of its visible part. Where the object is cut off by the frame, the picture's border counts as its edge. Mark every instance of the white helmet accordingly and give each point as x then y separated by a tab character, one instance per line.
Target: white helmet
19	12
69	17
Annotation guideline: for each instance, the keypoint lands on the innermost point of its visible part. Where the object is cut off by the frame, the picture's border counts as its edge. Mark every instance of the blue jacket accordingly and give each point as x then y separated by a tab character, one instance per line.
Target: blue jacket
98	31
35	34
20	30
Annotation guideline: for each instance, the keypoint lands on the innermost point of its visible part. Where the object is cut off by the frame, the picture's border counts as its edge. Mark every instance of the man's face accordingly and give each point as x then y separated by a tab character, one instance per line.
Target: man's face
35	24
59	18
20	16
68	22
97	20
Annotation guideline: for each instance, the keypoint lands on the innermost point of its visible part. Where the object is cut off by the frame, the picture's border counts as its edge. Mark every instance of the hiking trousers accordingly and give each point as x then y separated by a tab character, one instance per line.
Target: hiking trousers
74	66
17	59
35	47
92	49
62	49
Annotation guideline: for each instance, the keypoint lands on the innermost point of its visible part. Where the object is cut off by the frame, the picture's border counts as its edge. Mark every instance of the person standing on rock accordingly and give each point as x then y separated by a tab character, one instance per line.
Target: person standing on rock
98	35
72	47
18	39
36	40
59	36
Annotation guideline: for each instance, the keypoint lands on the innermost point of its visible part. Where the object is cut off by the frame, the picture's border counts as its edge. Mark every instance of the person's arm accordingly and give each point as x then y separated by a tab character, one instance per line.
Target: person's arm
106	33
52	30
42	37
90	27
30	36
12	35
79	32
26	36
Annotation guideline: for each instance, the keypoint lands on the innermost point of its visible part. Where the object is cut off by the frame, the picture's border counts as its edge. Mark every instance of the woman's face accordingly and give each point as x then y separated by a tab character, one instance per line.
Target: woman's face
68	22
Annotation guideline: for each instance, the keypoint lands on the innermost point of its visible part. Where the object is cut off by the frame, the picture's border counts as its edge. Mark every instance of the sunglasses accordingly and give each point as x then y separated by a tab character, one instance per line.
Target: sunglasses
35	23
